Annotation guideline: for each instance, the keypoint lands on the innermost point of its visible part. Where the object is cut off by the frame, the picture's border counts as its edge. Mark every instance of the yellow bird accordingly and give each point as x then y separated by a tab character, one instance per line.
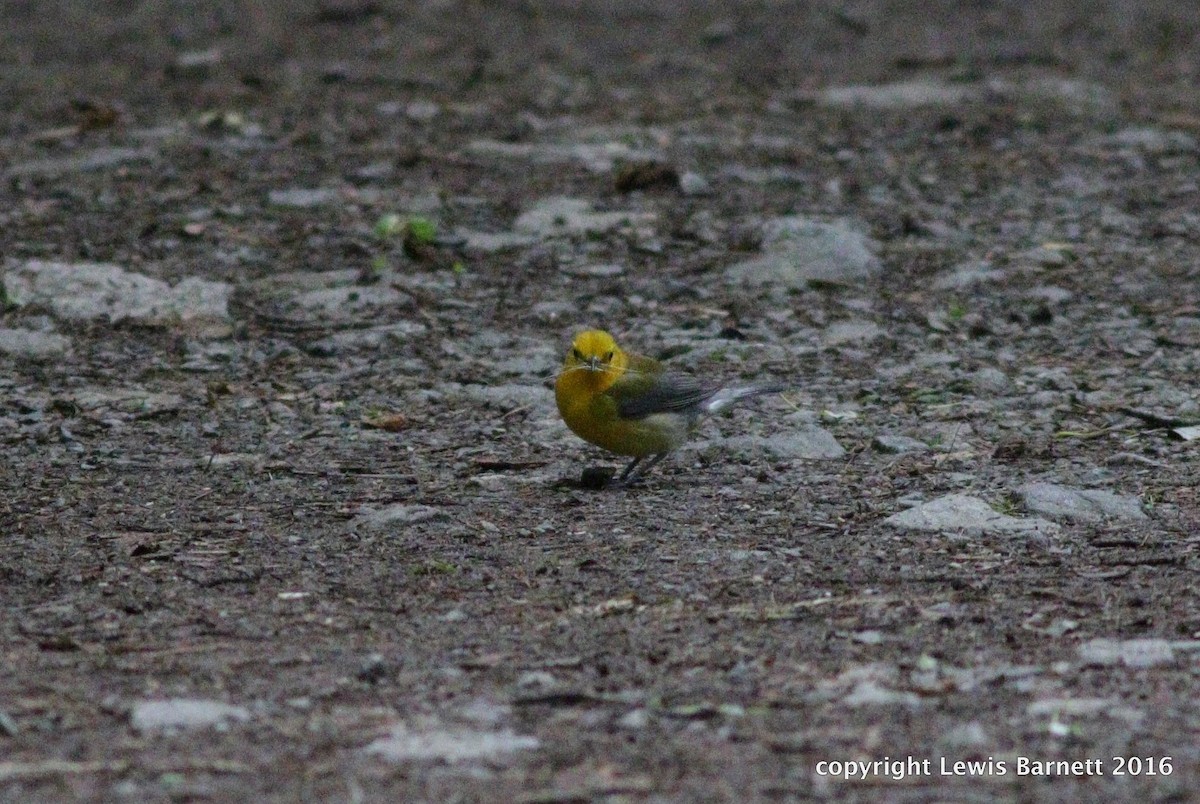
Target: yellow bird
632	405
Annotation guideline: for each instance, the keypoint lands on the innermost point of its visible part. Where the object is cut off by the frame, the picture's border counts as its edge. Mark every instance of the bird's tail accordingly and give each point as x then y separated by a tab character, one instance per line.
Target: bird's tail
728	397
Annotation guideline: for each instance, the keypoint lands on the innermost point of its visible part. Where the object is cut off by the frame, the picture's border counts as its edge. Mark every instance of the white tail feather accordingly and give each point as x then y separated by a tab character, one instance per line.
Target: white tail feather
728	397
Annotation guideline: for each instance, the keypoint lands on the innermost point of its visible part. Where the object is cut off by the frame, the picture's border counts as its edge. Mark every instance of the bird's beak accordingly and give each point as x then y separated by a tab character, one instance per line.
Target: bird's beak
593	364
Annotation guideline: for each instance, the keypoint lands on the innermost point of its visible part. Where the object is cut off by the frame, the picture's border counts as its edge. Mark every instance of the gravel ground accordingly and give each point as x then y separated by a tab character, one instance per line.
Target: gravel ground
289	514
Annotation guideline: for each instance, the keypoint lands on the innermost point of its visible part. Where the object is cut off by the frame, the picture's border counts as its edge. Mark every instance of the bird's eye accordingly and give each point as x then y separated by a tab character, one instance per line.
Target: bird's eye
608	357
578	355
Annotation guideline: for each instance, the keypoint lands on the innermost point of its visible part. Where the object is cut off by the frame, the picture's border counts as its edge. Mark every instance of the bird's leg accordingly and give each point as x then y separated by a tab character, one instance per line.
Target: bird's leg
629	476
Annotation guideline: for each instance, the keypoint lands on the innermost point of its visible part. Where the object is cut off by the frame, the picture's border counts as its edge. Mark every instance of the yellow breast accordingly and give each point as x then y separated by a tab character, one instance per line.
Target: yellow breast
592	416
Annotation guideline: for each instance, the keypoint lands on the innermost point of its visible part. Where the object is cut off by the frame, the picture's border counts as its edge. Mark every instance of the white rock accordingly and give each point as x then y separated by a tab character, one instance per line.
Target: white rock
183	713
799	250
599	157
1079	505
398	514
900	95
97	159
33	345
301	197
846	332
869	693
804	442
448	745
559	215
1129	652
90	290
961	513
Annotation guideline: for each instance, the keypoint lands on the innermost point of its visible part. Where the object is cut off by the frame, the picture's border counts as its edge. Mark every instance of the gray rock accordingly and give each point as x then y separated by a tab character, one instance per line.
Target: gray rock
846	332
961	513
348	300
491	242
600	270
398	514
990	381
536	681
798	251
869	693
896	444
183	713
1050	294
130	401
596	157
302	198
372	339
1062	503
557	216
1190	433
1153	141
634	720
422	111
92	290
805	442
33	345
1129	652
899	96
506	395
405	744
965	735
1084	707
693	184
98	159
967	275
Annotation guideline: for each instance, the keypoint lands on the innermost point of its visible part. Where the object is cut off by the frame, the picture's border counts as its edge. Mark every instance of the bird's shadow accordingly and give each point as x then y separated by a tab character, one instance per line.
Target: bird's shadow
595	478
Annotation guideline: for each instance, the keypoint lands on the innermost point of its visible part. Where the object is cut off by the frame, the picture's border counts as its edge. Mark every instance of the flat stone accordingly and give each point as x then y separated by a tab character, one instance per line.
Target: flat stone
135	402
491	242
869	693
898	445
990	381
1129	652
504	395
798	251
451	745
302	198
341	302
558	215
1153	140
847	332
1084	707
805	442
1063	503
599	157
968	275
31	344
85	291
600	270
97	159
183	713
398	514
899	95
693	184
961	513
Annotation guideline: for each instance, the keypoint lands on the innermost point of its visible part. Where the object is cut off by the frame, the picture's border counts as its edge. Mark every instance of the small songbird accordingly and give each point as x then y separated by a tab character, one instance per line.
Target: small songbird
632	405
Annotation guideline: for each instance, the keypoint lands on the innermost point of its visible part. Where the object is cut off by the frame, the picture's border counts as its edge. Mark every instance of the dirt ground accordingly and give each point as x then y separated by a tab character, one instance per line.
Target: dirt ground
324	539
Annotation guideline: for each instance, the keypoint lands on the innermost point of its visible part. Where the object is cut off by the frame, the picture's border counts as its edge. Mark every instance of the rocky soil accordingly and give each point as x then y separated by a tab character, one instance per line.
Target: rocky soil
288	512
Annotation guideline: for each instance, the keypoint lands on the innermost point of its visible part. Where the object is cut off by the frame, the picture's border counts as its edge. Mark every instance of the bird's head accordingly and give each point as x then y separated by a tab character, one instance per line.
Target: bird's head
595	350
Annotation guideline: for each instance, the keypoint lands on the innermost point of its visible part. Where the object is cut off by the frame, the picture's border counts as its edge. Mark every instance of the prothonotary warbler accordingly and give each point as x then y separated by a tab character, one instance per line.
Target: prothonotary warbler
633	405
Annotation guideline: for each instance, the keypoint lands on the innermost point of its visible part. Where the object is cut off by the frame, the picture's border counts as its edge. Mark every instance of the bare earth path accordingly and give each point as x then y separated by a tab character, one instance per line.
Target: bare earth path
287	513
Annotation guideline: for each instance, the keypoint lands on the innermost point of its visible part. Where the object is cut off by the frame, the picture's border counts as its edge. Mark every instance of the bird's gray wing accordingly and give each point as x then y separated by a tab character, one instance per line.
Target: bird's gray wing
661	393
